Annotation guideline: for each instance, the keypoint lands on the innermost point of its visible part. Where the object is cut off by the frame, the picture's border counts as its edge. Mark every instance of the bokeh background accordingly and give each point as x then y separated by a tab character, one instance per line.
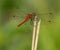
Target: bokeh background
12	12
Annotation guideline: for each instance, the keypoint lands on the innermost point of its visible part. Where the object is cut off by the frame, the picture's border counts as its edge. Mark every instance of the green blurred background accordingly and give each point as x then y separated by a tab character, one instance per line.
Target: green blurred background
13	38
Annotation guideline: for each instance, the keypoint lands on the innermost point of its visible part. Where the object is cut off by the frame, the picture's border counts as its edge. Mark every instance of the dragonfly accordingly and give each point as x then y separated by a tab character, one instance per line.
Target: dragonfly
28	17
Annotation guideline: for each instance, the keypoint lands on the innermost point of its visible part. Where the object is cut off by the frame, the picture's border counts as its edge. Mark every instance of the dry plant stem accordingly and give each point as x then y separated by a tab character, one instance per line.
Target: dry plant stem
33	37
37	34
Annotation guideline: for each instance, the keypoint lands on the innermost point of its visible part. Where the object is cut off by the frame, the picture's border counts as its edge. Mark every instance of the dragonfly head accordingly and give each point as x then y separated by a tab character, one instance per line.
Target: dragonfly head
31	15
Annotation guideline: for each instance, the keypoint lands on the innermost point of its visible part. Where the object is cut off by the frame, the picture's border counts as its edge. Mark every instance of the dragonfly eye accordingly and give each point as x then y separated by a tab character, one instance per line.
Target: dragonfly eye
31	15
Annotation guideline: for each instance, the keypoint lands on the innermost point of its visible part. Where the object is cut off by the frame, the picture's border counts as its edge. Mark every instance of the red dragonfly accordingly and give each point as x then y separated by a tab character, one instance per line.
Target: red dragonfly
28	17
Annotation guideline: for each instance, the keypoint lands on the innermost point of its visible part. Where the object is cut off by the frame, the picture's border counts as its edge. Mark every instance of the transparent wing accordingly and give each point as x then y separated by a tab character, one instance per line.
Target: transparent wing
45	17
